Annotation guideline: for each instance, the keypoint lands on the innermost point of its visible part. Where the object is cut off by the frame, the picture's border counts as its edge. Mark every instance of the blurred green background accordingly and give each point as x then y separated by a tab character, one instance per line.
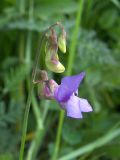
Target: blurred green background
97	52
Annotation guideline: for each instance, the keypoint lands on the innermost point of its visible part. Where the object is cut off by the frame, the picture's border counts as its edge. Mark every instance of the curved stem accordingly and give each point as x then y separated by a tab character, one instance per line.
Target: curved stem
25	124
68	72
27	108
39	49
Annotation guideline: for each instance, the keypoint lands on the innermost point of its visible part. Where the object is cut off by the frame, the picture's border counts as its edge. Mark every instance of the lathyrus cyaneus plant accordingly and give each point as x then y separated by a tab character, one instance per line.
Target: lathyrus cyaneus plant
66	94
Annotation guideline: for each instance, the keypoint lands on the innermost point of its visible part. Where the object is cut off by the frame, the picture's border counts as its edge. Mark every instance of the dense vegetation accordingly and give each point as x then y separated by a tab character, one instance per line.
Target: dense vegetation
97	52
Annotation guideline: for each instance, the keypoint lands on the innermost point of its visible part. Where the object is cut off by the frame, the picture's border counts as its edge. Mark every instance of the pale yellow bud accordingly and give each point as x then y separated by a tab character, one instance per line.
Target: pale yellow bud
53	64
62	42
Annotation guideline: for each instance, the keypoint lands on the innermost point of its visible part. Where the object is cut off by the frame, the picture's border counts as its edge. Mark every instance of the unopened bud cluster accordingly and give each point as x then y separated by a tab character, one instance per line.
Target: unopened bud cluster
51	56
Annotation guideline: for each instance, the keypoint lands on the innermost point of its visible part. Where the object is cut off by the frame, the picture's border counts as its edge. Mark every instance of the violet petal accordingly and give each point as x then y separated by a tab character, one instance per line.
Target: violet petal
68	85
84	105
72	107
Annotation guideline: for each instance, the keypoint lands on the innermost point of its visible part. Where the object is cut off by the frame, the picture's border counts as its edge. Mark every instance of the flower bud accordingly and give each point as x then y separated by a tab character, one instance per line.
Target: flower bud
53	64
47	89
51	58
43	75
62	41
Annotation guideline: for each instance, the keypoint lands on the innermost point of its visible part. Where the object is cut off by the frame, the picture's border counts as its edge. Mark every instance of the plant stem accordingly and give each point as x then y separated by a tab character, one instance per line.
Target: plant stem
35	144
37	112
29	34
21	59
25	121
68	72
27	108
37	141
21	6
94	145
28	48
116	3
38	133
74	38
46	108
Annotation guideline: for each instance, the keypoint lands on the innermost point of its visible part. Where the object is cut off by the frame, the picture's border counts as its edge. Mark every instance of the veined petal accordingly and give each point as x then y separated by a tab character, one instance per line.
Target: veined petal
72	107
53	63
69	85
85	106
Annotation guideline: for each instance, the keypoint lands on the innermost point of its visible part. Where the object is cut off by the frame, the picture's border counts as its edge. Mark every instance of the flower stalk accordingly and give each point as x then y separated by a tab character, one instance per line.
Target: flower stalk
68	72
27	108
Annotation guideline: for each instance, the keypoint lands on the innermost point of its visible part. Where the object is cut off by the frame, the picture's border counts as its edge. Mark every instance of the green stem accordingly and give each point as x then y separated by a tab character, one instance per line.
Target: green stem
74	38
31	9
27	108
21	47
21	59
28	48
25	121
39	131
116	3
37	112
46	109
37	141
35	144
21	6
68	72
29	36
94	145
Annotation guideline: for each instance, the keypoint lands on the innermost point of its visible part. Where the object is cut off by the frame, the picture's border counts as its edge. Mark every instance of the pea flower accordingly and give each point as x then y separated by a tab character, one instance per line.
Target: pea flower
66	94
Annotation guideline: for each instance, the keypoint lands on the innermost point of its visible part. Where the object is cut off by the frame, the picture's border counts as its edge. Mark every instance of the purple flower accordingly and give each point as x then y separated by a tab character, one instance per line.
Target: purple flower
66	94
